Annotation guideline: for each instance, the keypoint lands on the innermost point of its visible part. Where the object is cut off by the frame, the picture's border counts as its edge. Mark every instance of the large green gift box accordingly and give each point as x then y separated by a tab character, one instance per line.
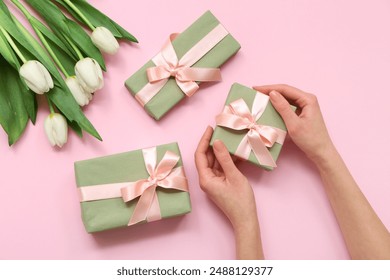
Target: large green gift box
114	172
270	118
170	94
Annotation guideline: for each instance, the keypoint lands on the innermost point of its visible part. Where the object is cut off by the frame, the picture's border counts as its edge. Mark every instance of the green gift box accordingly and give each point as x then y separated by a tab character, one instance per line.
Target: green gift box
170	94
233	138
105	174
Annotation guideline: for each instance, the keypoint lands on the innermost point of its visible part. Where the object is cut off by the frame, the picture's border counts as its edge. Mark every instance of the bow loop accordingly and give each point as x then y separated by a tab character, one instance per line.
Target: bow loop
269	135
166	165
238	116
164	174
168	65
239	108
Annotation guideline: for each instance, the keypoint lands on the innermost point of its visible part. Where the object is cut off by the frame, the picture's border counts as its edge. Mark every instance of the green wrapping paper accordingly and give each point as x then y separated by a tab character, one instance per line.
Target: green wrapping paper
112	213
232	138
171	94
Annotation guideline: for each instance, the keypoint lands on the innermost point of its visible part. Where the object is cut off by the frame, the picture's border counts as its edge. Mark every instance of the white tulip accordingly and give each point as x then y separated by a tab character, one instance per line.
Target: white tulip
104	40
36	76
56	129
89	74
82	97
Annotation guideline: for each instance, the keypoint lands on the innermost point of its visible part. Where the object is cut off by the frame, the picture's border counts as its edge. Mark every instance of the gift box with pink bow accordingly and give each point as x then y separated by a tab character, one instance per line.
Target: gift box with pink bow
250	127
130	188
186	60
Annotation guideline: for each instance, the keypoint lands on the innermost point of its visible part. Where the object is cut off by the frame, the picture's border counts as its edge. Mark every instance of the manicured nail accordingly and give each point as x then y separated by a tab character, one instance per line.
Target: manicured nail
274	94
218	145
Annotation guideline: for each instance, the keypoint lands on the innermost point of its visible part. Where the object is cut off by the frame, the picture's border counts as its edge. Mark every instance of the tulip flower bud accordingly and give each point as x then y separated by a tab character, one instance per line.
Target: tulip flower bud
82	97
104	40
36	76
56	129
89	74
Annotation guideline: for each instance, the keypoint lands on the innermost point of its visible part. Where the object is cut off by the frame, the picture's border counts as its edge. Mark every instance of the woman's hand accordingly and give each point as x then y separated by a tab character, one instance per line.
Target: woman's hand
230	190
220	179
306	127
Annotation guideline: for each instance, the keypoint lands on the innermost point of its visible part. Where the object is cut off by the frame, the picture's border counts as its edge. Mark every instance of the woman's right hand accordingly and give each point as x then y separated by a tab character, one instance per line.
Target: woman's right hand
306	127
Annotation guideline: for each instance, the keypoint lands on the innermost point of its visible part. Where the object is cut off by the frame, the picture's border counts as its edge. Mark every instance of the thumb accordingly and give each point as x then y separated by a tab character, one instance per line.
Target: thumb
283	107
225	160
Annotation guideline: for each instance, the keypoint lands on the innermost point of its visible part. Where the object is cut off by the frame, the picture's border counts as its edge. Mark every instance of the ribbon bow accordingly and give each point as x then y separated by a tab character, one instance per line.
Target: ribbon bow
259	137
163	176
147	208
186	76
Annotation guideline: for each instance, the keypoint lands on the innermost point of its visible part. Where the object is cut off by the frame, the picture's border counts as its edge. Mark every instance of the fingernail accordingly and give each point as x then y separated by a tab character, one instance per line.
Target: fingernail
218	145
274	95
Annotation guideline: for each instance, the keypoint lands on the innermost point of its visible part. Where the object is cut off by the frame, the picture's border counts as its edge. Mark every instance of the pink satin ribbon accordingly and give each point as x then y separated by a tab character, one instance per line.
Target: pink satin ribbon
147	208
168	65
237	116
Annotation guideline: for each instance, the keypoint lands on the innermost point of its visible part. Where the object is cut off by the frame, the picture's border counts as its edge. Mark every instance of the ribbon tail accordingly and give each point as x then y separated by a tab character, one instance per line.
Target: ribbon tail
154	213
243	150
143	205
188	88
157	73
149	91
260	150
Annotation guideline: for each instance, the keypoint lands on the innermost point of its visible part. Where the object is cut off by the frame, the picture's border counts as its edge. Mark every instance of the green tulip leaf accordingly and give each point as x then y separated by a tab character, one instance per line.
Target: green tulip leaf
33	50
66	58
67	29
4	8
97	18
13	114
84	42
30	102
50	36
68	106
61	96
7	52
76	128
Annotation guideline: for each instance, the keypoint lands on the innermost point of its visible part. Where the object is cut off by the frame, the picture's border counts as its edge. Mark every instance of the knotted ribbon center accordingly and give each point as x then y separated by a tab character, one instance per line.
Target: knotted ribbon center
238	116
167	65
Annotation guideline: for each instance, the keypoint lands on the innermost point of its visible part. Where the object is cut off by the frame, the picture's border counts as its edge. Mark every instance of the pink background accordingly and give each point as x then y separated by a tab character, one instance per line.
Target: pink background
338	50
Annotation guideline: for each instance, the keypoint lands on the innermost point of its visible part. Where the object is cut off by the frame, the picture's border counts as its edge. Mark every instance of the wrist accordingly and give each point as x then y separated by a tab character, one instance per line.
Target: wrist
323	155
248	239
327	158
246	224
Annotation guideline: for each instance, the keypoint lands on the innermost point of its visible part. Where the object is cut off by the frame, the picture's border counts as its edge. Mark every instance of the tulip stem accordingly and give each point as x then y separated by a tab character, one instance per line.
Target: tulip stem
12	44
80	14
53	55
41	37
75	48
51	108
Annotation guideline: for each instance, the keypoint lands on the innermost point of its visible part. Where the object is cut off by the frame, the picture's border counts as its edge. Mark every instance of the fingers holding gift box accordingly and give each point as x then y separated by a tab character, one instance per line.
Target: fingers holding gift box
134	187
185	60
250	127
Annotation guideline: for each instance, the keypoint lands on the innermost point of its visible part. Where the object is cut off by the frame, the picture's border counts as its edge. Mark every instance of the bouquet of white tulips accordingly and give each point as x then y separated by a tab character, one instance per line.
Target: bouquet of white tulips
66	66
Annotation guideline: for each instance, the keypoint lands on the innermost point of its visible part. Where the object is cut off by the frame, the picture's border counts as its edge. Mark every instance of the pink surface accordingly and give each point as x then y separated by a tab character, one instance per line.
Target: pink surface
338	50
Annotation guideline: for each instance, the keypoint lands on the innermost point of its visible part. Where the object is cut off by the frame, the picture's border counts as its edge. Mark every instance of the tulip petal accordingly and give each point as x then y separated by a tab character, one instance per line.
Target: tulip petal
56	129
36	76
104	40
89	74
80	95
60	130
49	129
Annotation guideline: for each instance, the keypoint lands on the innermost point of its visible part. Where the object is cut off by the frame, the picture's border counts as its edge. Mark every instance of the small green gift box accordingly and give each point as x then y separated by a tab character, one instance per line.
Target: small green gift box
250	127
185	61
133	187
